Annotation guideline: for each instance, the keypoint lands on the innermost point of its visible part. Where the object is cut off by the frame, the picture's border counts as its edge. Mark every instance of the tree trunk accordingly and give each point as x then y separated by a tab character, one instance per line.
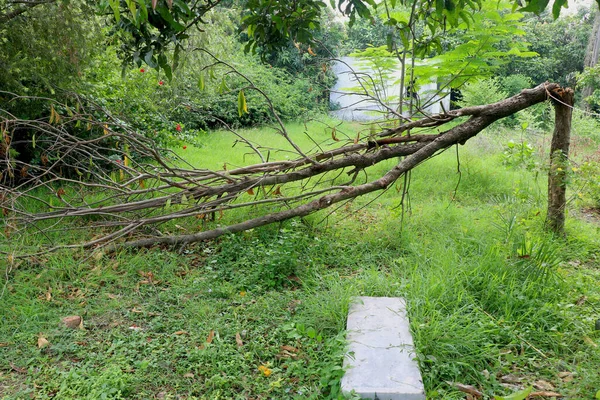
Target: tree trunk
591	56
563	100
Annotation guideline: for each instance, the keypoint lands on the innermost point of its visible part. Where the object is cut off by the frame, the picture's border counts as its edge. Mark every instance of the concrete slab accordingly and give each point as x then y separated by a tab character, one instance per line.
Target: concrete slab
381	364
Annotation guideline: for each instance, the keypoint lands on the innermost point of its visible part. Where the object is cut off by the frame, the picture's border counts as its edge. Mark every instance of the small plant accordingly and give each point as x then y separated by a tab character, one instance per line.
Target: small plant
519	155
586	179
538	260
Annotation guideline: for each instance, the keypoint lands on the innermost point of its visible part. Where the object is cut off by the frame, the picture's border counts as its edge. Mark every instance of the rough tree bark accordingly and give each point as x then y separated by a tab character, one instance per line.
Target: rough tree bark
563	101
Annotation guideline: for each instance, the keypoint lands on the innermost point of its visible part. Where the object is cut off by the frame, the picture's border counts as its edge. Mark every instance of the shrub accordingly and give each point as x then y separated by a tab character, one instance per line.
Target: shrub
519	155
586	179
484	91
513	84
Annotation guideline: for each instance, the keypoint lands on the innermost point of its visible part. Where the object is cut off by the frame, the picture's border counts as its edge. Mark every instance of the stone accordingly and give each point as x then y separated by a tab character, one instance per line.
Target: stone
381	361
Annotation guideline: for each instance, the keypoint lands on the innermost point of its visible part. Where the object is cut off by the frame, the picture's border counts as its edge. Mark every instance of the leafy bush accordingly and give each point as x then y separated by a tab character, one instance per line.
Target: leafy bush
513	84
519	155
586	178
561	46
484	91
262	261
216	99
585	126
492	90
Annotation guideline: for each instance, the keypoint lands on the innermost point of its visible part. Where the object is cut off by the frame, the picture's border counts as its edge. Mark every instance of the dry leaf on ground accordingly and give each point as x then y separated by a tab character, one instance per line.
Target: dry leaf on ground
543	393
587	340
566	376
581	300
210	337
469	389
42	341
17	369
543	385
510	378
238	339
73	322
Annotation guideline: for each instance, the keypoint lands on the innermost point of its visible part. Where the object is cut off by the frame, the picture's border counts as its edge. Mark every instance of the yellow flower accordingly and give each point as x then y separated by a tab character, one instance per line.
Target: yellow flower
242	293
266	371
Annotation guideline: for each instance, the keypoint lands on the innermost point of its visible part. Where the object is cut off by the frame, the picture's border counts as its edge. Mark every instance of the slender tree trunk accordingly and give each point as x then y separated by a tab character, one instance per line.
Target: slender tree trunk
563	100
591	56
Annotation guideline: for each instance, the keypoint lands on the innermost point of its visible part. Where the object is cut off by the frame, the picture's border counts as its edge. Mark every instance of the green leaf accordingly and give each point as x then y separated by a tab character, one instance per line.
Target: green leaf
439	8
114	4
223	86
535	6
162	60
176	56
201	83
182	6
148	57
168	71
143	11
405	41
520	395
166	15
598	395
33	141
242	105
132	9
558	4
390	42
466	17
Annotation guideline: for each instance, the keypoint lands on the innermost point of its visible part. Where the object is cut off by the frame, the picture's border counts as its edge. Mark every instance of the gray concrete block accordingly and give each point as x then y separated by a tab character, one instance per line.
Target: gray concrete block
380	363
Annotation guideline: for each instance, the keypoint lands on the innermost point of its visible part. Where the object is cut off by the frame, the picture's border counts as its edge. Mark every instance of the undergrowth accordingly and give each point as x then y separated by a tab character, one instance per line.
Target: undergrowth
262	314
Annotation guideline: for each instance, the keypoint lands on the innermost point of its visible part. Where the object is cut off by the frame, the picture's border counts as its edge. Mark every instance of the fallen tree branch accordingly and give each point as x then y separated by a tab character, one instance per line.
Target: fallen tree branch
141	190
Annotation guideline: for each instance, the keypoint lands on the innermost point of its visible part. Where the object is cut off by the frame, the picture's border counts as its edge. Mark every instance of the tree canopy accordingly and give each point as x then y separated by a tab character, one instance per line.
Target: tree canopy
152	31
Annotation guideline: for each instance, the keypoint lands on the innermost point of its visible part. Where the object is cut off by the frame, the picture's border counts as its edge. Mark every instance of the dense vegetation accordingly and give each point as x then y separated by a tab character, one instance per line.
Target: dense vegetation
495	300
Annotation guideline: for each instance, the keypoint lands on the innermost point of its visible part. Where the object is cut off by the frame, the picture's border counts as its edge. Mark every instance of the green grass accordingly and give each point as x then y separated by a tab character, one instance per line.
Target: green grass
489	294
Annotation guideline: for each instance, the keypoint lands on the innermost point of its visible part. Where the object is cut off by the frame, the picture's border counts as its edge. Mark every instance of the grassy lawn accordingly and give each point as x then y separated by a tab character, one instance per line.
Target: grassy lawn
494	301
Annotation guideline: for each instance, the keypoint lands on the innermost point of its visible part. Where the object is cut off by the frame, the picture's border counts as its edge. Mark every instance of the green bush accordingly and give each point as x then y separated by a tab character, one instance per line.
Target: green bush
586	178
484	91
519	155
513	84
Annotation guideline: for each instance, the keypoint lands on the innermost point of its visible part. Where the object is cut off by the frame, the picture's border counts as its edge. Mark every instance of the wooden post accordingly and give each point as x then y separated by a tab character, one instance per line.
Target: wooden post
563	100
